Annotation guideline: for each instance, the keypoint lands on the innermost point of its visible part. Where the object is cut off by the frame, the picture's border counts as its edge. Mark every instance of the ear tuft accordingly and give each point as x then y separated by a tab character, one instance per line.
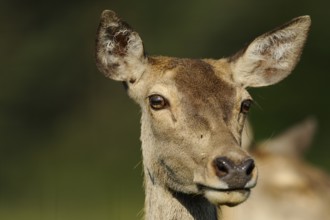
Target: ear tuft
119	49
272	56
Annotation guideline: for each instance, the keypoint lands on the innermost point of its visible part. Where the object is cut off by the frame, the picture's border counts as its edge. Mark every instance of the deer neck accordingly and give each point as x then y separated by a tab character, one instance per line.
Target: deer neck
163	204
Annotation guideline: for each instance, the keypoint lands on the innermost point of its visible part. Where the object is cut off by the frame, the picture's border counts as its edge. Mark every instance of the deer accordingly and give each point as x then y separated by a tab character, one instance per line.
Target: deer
193	113
289	187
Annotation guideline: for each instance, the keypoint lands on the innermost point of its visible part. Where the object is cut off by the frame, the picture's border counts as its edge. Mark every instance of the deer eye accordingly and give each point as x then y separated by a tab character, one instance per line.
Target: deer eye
246	105
157	102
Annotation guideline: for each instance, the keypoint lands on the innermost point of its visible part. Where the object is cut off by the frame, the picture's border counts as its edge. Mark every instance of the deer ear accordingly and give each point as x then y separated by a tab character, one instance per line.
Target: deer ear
119	50
272	56
295	140
247	136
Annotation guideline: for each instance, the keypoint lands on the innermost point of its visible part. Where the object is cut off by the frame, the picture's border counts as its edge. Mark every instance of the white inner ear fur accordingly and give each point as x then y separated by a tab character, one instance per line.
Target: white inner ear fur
134	63
117	59
130	66
272	56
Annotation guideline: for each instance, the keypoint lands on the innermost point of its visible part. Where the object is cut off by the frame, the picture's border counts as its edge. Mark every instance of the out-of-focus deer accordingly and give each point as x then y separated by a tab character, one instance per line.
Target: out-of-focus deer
289	187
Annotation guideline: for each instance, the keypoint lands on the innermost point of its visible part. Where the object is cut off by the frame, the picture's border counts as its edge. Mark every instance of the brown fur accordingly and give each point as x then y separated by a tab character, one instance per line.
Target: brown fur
192	158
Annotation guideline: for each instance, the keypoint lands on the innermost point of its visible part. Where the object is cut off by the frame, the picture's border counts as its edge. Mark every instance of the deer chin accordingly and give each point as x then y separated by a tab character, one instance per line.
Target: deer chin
229	197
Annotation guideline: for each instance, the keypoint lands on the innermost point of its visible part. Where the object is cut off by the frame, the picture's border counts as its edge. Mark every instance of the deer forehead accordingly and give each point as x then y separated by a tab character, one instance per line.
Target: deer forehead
198	85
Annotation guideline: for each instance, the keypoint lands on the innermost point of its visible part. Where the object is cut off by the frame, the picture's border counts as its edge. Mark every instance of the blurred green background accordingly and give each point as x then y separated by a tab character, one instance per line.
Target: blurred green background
69	138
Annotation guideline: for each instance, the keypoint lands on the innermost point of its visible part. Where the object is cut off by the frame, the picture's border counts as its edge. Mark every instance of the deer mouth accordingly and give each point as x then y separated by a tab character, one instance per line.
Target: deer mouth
225	196
225	182
226	193
210	188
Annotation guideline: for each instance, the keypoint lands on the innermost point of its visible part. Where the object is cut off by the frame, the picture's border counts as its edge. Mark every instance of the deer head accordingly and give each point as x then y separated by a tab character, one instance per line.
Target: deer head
193	110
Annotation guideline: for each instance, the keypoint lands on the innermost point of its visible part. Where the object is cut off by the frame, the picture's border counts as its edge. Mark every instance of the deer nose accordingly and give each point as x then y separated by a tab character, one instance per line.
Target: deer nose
235	175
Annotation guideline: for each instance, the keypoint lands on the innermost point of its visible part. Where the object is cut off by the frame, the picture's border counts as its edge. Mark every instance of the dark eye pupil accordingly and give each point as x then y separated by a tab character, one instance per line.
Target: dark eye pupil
245	106
157	102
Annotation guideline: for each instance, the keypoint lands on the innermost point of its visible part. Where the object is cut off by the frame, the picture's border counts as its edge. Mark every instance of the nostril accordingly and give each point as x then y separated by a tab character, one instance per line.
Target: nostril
248	166
222	166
